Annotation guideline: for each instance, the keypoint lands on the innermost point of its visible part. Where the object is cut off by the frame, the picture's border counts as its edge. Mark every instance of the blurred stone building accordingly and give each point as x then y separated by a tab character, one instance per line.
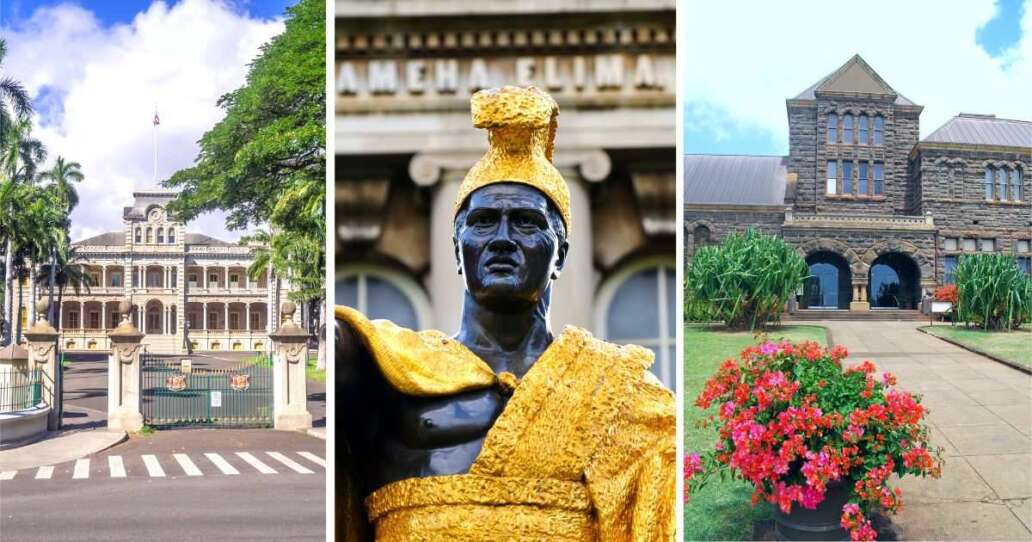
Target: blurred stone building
880	216
405	71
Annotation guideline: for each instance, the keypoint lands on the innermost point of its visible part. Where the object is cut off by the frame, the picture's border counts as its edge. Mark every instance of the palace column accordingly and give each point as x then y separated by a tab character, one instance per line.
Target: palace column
204	273
204	309
247	316
103	275
103	315
225	318
82	316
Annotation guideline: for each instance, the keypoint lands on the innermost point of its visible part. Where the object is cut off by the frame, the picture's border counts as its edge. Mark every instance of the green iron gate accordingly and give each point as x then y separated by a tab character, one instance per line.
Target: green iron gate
178	392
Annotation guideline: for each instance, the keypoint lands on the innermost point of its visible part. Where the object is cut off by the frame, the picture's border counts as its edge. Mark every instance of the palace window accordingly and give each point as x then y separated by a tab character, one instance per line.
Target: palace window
192	280
213	278
73	319
987	245
863	178
847	129
832	176
161	235
832	128
137	237
116	278
951	243
150	236
1001	184
863	130
1015	181
847	177
879	129
879	178
380	293
152	279
988	183
171	236
637	305
234	279
949	265
94	319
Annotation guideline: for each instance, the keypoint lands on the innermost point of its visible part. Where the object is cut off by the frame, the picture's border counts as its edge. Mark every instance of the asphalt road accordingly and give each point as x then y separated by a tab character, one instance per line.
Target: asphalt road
193	498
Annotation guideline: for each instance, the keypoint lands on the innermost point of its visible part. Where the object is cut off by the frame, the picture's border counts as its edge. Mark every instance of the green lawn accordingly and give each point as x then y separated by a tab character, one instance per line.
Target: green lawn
1013	346
312	373
722	509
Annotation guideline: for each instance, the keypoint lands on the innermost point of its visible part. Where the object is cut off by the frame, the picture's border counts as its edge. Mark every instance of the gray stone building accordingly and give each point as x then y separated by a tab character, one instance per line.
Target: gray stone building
880	215
404	74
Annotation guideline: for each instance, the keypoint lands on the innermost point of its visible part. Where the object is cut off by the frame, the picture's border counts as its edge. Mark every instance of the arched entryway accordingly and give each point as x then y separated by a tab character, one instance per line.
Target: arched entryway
894	282
828	286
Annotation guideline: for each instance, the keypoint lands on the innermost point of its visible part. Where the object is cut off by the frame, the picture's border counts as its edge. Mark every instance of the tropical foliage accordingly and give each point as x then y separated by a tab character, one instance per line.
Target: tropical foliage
993	293
264	163
746	281
34	205
793	424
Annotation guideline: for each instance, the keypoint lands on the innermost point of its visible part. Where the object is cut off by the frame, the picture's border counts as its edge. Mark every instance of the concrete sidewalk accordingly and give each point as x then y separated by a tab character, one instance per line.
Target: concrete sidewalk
980	413
59	447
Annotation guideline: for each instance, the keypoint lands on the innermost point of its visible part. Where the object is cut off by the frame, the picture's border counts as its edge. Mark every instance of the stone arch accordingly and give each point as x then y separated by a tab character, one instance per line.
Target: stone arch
857	267
925	264
689	234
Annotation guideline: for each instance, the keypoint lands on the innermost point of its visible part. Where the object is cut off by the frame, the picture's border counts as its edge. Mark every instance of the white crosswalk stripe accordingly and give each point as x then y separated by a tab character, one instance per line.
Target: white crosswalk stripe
290	463
188	466
8	474
313	458
44	473
116	466
221	463
82	469
153	467
256	463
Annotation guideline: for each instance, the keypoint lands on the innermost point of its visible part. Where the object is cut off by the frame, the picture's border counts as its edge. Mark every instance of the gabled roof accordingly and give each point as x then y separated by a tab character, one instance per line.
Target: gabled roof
972	129
201	239
853	77
734	179
104	239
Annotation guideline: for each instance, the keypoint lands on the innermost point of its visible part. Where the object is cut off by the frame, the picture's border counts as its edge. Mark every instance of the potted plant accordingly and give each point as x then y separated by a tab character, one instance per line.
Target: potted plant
817	441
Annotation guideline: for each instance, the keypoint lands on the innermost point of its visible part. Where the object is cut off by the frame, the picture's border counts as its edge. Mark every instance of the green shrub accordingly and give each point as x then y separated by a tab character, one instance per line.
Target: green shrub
993	292
746	281
696	310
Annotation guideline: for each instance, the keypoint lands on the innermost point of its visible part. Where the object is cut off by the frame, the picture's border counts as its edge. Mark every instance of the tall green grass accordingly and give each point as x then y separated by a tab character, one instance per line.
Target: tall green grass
993	292
746	281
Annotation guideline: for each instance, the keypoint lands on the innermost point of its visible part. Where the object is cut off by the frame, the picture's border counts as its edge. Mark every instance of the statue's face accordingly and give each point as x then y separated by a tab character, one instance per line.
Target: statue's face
507	248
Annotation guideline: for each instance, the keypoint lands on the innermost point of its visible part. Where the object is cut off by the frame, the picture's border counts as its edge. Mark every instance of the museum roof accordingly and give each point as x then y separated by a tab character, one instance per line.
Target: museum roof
118	238
973	129
734	179
855	76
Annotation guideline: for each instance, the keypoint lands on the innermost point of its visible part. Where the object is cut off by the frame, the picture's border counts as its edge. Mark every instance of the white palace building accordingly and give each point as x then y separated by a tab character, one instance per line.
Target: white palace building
186	288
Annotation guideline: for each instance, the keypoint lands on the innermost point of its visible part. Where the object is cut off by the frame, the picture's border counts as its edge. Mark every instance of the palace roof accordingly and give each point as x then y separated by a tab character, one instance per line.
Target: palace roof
853	77
116	238
971	129
734	179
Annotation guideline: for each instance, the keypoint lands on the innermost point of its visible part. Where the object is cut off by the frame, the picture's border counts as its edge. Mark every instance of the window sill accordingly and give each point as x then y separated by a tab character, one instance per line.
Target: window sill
853	197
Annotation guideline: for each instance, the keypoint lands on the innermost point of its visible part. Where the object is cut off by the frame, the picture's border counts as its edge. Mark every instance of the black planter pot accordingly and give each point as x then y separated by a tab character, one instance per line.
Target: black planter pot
821	523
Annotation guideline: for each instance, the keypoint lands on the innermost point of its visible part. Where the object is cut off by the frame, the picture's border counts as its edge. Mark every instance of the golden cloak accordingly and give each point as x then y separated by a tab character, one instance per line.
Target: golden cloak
584	450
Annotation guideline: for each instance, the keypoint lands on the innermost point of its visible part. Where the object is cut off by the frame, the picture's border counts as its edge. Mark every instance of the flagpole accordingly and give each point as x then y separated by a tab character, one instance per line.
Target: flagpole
155	137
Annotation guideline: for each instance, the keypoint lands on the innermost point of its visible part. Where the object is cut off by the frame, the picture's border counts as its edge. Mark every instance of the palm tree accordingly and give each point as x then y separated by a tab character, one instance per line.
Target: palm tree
63	174
13	98
69	274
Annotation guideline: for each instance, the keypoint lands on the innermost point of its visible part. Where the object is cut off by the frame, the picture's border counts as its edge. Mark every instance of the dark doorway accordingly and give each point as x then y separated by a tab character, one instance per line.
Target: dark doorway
894	282
827	287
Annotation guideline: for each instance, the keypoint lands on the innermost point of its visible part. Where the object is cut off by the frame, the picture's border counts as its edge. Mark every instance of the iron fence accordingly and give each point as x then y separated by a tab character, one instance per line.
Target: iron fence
20	389
179	395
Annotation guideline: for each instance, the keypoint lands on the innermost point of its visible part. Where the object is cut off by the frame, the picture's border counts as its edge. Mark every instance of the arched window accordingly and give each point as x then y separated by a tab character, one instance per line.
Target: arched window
171	236
879	178
988	183
161	235
138	231
879	129
832	186
863	178
832	128
701	236
1001	184
1015	179
863	130
847	177
847	129
637	305
150	236
380	293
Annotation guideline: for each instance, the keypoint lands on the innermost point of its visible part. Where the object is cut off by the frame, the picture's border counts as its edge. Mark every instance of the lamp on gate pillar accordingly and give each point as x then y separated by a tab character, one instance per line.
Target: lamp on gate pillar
42	342
124	397
289	389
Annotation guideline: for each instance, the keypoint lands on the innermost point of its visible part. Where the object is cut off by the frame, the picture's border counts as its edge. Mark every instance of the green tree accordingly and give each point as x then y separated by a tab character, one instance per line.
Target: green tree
63	174
14	100
746	281
264	163
992	291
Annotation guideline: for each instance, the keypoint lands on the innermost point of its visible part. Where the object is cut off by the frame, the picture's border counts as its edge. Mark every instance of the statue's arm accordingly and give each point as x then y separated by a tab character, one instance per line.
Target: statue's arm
352	361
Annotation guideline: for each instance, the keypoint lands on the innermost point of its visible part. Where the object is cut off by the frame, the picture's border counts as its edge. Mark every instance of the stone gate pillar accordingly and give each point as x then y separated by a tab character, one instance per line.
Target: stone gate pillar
289	388
124	413
42	342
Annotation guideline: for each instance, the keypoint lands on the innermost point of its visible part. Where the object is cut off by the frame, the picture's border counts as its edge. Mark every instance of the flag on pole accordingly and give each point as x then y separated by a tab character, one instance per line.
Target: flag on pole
157	121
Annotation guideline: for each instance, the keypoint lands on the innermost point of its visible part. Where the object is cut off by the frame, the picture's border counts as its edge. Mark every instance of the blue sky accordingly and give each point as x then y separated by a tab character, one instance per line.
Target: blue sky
974	57
122	11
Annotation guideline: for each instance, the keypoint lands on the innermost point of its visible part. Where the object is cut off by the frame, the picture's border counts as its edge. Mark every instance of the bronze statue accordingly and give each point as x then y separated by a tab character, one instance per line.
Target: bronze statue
504	431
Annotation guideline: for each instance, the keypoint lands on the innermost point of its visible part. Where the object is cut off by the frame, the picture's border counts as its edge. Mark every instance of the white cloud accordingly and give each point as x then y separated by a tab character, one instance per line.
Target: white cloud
181	58
747	57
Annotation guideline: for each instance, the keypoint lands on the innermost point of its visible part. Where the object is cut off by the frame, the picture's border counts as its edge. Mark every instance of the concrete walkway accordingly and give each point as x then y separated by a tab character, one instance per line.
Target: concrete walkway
980	412
59	447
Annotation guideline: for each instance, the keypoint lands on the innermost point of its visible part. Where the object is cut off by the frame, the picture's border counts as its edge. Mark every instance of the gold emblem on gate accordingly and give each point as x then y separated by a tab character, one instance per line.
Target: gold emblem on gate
176	382
240	382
